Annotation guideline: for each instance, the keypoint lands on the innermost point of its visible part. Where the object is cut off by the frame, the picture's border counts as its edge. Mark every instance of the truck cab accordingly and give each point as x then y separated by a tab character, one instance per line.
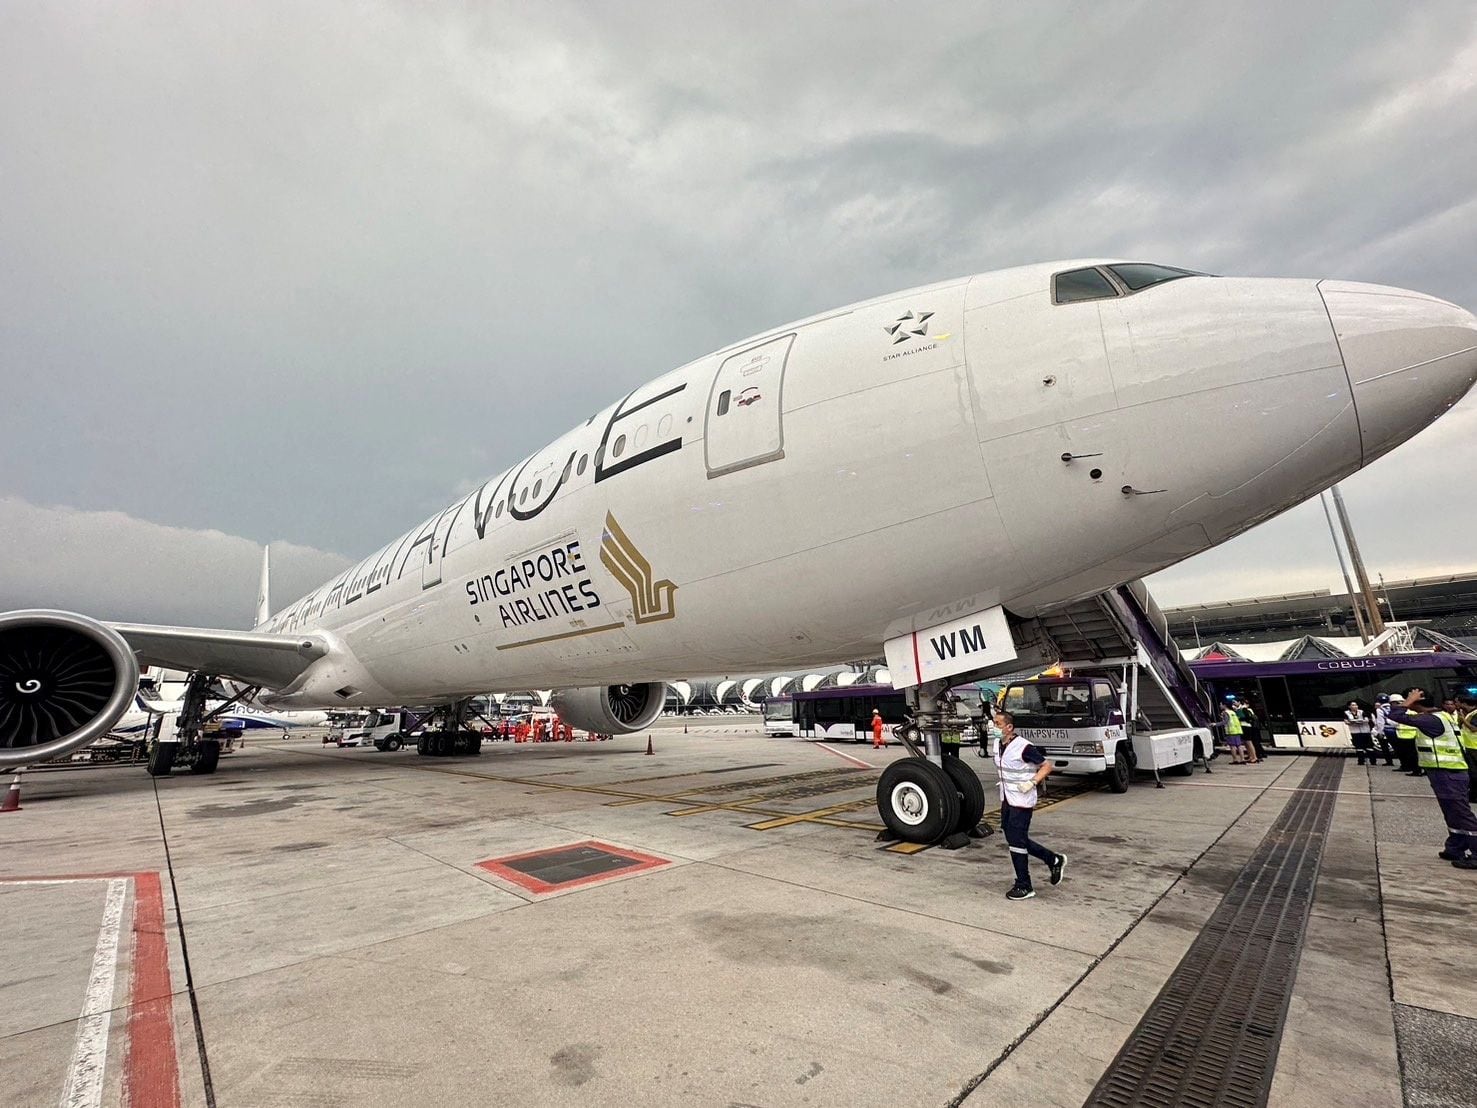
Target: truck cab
1088	724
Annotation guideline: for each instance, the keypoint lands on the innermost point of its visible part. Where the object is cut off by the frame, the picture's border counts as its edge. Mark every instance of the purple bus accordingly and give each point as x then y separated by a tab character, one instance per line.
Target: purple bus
1303	703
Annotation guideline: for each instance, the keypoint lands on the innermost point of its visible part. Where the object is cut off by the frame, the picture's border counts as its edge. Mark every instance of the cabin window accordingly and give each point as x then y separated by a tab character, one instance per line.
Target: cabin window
1081	284
580	469
620	446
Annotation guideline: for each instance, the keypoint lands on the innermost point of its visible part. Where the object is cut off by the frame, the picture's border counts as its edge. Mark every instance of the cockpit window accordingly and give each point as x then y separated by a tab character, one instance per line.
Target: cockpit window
1140	275
1081	284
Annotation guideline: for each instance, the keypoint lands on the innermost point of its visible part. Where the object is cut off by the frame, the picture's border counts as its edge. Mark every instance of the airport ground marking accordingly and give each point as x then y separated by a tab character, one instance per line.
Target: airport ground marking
850	758
84	1084
732	806
151	1062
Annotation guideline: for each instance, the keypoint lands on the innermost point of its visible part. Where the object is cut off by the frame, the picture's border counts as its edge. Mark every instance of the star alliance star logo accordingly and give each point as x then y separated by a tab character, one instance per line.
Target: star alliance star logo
908	326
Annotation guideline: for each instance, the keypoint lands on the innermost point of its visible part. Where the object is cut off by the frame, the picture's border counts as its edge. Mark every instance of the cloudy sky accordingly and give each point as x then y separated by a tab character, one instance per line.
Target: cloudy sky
301	274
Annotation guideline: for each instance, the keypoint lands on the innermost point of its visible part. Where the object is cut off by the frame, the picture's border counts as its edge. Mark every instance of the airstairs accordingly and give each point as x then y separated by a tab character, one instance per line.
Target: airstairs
1124	626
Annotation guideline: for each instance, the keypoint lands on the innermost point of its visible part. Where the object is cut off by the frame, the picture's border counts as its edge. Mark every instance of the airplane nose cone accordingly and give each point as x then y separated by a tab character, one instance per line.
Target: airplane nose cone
1409	357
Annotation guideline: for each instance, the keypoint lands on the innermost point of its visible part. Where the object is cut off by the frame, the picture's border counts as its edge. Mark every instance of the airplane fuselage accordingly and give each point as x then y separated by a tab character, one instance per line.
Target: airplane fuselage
812	491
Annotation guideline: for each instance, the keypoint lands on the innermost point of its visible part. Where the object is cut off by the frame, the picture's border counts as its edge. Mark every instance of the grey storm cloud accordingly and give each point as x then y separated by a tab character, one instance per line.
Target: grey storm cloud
301	273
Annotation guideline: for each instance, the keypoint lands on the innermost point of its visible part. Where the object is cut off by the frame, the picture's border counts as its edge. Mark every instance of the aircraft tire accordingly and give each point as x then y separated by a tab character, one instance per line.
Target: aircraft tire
971	794
917	800
161	758
207	759
1120	773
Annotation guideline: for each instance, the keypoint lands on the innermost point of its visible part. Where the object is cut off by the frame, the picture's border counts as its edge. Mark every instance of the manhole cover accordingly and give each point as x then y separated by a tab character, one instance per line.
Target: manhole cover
564	867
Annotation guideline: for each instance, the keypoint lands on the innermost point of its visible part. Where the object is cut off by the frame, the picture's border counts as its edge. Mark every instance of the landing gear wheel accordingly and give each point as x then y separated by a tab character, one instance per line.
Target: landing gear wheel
971	795
208	758
161	759
918	801
1120	773
392	743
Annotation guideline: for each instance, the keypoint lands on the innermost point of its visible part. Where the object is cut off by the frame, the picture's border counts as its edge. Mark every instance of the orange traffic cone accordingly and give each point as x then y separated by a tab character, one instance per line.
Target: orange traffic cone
12	801
649	750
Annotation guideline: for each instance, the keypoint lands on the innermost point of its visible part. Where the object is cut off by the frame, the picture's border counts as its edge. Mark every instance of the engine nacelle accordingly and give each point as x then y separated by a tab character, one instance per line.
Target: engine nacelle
611	709
65	680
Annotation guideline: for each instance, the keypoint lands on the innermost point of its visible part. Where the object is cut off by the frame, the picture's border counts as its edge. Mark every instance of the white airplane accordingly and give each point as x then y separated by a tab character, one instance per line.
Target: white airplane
912	472
247	717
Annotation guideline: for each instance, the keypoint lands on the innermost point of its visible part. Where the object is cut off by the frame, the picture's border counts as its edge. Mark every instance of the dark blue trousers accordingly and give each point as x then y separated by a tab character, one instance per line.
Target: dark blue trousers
1450	787
1016	824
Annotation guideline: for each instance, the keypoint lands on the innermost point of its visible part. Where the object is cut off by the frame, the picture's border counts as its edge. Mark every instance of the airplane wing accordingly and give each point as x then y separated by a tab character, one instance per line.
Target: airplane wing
273	661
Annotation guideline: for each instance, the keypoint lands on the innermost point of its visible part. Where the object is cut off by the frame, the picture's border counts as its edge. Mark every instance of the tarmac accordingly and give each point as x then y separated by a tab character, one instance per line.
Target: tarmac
718	926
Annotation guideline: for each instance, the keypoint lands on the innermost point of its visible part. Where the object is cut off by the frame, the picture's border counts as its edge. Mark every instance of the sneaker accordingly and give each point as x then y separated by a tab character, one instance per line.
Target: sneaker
1058	868
1460	863
1019	893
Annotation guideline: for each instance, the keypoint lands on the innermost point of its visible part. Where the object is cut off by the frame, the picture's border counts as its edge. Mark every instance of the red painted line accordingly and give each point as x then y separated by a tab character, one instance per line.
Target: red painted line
498	868
151	1067
848	757
917	665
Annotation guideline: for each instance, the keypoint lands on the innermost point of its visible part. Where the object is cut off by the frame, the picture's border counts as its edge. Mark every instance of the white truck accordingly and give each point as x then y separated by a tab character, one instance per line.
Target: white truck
382	727
1092	721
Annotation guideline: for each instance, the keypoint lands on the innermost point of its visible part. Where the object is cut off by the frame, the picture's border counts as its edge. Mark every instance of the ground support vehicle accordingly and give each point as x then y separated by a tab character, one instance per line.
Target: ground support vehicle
779	717
1091	721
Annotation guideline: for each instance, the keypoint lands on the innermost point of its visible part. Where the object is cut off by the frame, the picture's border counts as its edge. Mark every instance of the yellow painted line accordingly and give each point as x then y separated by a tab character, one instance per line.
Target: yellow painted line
731	806
561	635
800	817
777	819
906	848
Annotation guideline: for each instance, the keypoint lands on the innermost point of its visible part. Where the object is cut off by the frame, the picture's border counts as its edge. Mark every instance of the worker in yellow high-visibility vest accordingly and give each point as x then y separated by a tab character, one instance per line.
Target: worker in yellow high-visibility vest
1467	711
1440	753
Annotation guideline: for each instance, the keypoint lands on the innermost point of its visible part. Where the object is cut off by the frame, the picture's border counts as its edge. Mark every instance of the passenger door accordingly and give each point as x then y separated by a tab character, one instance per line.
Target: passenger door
744	426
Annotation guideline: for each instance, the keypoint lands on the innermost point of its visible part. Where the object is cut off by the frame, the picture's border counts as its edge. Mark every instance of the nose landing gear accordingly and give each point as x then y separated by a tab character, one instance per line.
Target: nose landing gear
928	798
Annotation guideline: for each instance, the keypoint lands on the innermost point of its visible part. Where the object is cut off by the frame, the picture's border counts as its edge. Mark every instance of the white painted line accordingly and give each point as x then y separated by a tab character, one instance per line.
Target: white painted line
4	881
848	757
84	1087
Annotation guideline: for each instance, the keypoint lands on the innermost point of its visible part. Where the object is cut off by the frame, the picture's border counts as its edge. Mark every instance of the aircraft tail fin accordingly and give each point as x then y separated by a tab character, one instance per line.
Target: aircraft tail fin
263	592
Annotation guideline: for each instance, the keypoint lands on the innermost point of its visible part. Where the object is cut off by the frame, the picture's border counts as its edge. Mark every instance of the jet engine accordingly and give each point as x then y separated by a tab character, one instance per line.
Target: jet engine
65	680
611	709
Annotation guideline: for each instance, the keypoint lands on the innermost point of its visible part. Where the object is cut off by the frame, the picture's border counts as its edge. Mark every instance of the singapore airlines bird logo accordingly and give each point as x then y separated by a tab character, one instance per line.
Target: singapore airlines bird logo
650	600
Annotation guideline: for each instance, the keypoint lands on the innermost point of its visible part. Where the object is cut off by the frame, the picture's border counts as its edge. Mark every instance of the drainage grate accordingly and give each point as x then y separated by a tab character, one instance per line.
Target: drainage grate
559	867
1211	1036
567	867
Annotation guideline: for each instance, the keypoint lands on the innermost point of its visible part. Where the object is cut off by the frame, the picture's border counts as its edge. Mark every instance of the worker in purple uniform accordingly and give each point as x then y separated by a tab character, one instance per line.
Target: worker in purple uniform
1439	750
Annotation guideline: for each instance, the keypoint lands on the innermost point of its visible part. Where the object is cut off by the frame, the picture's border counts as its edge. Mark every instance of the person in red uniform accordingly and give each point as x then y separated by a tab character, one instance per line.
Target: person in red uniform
878	742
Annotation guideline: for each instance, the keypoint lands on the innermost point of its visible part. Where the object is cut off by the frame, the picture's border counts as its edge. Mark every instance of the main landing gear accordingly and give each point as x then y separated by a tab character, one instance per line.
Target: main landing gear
927	798
196	743
450	735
